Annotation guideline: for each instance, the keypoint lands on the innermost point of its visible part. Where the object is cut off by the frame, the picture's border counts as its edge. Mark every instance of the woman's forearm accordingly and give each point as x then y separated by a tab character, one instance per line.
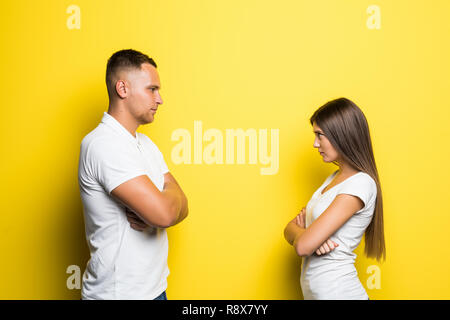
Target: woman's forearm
292	232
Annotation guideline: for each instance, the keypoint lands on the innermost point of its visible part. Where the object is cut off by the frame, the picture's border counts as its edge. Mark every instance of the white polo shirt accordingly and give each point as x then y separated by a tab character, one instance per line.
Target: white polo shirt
124	263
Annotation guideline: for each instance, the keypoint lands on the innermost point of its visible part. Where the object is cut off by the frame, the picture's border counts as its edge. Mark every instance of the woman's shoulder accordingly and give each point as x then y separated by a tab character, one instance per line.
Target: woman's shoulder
363	176
361	185
364	181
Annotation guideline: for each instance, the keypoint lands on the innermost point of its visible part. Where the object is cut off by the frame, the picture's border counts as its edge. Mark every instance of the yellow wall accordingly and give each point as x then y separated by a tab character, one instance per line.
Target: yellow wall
230	64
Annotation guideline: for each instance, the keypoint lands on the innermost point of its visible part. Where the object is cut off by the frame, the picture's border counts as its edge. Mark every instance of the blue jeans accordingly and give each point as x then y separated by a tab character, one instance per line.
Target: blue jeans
162	296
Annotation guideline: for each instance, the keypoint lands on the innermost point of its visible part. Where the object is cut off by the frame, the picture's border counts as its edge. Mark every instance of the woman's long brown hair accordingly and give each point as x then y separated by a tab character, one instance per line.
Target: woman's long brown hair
346	127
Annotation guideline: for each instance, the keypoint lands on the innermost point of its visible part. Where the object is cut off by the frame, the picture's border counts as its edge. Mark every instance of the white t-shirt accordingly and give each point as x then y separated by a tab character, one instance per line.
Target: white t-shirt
124	263
333	276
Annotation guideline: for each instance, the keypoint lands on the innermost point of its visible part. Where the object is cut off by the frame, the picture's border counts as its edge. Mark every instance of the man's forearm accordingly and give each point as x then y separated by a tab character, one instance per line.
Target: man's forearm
179	200
184	211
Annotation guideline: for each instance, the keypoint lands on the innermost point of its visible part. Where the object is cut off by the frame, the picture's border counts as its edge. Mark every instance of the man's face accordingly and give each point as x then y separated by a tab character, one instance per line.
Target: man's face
144	97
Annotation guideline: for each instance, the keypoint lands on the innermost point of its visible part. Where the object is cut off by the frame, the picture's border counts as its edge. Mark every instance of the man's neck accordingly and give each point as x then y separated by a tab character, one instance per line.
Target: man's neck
125	119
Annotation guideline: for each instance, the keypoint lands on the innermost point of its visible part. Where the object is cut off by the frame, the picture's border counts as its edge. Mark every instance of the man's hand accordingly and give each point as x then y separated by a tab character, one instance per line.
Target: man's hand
135	222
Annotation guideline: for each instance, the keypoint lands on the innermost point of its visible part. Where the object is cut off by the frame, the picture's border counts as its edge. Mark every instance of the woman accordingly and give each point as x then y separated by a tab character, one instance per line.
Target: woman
346	205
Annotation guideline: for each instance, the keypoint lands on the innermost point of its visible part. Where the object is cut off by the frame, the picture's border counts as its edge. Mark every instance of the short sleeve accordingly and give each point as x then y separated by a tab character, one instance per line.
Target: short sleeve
362	186
155	151
162	163
113	165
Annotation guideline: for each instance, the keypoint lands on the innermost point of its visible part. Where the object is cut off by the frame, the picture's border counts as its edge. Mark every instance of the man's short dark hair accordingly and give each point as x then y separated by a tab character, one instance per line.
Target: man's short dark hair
124	59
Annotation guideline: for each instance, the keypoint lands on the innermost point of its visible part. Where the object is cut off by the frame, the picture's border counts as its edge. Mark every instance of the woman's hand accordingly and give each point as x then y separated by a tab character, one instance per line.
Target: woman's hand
301	219
294	228
326	247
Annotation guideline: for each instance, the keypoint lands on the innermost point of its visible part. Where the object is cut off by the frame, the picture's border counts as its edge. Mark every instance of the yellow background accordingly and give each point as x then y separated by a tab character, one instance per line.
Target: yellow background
231	64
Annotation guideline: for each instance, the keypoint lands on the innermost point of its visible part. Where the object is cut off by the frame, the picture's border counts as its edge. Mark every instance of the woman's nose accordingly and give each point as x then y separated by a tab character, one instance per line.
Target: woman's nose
316	144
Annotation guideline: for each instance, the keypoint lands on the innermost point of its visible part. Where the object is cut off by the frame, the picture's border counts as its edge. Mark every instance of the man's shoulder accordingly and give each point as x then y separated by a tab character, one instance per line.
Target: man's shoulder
143	138
101	135
100	139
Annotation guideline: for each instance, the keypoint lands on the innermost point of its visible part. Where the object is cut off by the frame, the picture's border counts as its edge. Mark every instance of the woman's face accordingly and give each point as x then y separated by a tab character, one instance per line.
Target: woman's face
323	145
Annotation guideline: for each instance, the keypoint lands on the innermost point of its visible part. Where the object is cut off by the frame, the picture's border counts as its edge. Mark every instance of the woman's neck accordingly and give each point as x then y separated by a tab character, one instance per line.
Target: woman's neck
346	170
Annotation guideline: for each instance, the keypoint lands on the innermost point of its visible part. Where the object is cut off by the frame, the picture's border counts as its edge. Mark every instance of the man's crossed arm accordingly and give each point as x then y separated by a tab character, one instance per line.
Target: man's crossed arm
146	205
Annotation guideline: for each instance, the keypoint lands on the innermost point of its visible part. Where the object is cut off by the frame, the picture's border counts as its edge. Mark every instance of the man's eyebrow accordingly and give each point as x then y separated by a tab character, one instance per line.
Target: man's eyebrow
153	86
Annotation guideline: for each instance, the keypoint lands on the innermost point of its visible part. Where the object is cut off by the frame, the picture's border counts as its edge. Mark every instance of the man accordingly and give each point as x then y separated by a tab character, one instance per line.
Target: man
129	196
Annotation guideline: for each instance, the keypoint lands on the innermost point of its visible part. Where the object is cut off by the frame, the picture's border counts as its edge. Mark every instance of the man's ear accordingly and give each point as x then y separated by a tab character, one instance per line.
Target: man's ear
121	88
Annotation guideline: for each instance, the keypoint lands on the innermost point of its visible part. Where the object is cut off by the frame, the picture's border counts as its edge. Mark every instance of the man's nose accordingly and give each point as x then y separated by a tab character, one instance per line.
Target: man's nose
159	99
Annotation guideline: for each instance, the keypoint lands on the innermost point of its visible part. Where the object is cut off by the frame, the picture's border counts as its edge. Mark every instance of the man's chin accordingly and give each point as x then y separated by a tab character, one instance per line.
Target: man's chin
147	120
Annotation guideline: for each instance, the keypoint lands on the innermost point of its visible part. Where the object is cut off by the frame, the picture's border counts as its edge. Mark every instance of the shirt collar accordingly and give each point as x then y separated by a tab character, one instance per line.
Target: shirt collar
111	122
